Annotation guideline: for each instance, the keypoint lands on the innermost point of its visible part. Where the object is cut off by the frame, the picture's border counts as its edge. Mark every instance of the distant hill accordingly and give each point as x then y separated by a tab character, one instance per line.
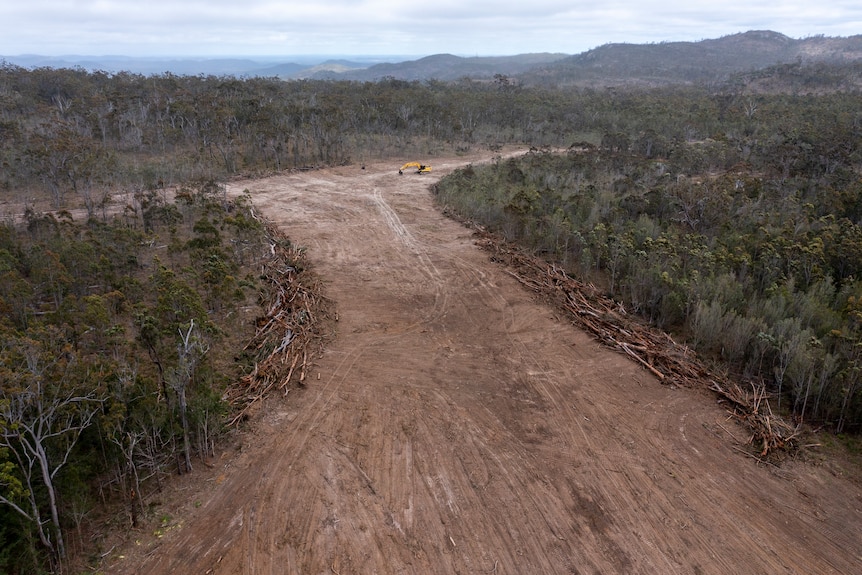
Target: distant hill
145	66
698	62
443	67
721	60
707	61
446	67
239	67
320	71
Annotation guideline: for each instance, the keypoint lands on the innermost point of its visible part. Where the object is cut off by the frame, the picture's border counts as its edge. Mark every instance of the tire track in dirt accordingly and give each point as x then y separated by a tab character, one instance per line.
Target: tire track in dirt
421	260
455	425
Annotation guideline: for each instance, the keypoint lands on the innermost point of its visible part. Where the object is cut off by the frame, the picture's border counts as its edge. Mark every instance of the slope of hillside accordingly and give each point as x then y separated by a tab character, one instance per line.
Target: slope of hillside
682	62
447	67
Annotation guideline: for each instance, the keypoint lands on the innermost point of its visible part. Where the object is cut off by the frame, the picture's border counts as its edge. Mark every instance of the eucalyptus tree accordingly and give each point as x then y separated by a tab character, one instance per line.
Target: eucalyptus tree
46	403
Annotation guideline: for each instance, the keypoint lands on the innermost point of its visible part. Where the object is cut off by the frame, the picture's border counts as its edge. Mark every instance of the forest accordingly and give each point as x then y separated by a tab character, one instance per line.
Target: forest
726	215
744	239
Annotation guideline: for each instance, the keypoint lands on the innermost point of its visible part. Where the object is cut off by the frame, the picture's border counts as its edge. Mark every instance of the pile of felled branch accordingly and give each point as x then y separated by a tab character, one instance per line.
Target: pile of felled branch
770	433
656	351
287	331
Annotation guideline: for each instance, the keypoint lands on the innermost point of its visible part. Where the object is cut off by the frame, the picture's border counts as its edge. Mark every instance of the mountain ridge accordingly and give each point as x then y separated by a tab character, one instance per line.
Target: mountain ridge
652	64
703	61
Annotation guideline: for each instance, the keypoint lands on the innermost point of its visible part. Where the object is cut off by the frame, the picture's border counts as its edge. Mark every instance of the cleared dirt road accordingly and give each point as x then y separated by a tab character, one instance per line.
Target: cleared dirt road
455	425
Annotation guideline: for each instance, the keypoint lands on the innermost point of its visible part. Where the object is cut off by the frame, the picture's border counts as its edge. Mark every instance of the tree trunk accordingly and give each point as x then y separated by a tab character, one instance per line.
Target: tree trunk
48	479
185	423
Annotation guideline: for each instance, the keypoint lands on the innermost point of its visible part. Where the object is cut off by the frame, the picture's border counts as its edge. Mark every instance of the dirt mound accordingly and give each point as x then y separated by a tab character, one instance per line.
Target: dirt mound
456	424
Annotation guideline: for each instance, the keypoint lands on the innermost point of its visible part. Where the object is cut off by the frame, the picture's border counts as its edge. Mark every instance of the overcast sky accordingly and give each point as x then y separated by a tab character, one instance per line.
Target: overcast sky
387	27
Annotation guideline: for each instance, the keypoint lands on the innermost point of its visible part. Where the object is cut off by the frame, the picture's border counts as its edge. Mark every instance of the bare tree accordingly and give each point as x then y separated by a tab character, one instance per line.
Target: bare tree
190	350
41	419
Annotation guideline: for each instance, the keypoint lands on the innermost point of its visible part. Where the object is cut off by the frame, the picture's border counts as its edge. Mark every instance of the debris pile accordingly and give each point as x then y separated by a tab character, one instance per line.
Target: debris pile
672	363
287	334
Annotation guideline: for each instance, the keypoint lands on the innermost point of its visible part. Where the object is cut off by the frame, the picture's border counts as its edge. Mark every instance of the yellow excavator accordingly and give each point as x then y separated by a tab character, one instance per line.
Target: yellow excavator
420	168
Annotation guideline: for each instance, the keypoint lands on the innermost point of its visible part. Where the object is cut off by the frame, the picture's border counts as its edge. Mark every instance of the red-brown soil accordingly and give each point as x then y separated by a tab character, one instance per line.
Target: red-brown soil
455	424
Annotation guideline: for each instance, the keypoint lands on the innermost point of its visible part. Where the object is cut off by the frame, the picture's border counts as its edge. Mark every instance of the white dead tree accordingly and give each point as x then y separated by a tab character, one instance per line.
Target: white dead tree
190	350
40	423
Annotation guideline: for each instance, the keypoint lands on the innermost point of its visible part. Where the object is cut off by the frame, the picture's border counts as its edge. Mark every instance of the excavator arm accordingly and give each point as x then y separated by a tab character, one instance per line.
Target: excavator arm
420	168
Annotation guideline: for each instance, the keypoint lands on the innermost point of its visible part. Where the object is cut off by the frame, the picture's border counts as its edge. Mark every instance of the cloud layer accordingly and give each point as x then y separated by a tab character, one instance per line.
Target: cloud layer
500	27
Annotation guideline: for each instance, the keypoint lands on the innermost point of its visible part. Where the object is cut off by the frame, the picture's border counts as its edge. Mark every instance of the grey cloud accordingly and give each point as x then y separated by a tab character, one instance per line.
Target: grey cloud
486	27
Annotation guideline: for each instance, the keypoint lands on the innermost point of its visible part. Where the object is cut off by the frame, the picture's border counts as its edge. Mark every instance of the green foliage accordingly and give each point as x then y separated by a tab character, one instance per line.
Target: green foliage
728	240
152	366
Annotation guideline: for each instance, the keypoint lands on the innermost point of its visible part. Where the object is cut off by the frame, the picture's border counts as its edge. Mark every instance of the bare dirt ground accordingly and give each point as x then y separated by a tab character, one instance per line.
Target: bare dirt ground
457	425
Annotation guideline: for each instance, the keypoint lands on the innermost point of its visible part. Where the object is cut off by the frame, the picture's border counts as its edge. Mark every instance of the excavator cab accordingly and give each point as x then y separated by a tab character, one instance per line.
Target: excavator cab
420	168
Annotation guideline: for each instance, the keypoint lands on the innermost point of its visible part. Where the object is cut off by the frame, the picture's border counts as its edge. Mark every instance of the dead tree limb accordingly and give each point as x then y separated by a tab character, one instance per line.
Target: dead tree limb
655	350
